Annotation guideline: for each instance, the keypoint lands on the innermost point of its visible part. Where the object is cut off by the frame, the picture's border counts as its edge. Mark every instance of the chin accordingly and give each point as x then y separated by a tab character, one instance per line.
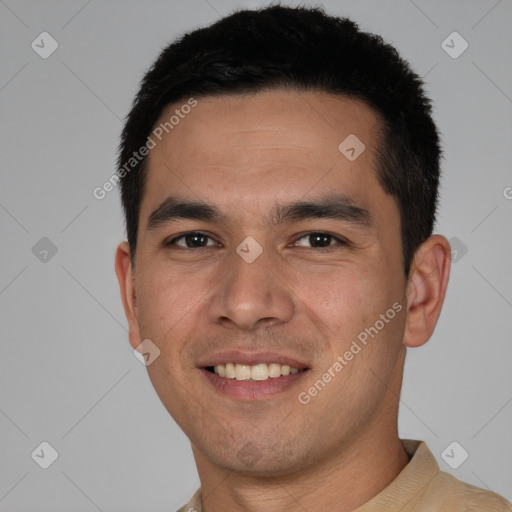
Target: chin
251	459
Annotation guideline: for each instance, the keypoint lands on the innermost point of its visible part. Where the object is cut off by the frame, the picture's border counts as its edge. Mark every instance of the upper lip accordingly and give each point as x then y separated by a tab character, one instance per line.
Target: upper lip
250	358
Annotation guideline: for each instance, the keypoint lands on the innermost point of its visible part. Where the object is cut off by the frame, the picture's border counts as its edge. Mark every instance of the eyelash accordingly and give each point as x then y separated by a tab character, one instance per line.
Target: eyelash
341	241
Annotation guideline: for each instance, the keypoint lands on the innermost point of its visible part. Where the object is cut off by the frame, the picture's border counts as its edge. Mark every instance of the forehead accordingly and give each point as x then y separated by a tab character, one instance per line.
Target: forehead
246	149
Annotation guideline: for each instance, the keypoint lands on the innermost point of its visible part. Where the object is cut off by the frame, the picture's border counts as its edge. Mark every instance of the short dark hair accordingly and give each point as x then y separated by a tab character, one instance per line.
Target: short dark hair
302	49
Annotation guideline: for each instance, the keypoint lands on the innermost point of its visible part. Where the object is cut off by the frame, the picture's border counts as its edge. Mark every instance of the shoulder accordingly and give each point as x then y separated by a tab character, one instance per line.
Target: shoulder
188	508
457	496
194	505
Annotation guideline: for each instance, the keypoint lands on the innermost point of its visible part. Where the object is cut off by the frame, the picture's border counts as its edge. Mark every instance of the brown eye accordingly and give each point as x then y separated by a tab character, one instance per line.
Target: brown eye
319	240
192	240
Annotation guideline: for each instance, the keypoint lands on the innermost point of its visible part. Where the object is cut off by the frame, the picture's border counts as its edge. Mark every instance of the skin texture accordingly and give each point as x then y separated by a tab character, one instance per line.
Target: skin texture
245	153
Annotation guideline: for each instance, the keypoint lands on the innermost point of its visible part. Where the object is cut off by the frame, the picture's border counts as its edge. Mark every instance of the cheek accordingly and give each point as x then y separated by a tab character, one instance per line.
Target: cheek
348	304
345	299
166	304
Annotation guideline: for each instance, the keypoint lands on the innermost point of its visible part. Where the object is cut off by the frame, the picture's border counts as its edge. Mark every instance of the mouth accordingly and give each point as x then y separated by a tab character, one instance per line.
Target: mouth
250	379
256	372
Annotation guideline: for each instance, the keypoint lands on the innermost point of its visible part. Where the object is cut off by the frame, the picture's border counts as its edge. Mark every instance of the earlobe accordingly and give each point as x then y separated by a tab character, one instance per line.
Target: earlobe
126	280
426	289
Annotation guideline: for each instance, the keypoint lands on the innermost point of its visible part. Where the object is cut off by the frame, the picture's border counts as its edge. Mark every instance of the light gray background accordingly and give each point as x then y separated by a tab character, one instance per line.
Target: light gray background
67	372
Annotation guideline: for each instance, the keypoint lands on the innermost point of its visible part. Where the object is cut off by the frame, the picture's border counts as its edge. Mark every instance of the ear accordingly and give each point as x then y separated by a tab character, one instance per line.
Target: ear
426	289
126	279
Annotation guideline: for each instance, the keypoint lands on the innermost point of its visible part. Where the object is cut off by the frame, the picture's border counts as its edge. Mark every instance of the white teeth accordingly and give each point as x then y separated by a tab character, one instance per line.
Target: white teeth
230	371
260	371
242	372
274	370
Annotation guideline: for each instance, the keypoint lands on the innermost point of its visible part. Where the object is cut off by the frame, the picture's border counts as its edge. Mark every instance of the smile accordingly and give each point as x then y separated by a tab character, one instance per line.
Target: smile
258	372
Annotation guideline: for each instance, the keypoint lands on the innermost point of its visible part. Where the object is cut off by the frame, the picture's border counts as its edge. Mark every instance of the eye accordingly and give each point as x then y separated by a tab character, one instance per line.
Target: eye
319	240
191	240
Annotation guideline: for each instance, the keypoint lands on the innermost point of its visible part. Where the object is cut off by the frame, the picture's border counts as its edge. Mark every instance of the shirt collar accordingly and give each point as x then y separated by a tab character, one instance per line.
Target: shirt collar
409	483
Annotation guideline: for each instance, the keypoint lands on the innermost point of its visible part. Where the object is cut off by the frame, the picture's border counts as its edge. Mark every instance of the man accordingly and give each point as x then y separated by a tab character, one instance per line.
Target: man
279	174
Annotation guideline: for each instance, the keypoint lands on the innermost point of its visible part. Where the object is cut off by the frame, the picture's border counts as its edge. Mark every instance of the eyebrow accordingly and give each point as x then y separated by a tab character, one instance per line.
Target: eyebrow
336	207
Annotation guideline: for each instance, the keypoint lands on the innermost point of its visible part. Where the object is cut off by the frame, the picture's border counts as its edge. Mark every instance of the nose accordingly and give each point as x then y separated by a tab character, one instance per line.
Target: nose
252	295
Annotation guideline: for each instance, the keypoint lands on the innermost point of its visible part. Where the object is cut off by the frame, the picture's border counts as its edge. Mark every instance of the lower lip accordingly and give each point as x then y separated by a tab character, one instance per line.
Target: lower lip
252	389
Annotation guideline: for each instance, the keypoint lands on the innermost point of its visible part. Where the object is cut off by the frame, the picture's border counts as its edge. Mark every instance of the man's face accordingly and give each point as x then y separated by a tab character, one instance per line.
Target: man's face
320	281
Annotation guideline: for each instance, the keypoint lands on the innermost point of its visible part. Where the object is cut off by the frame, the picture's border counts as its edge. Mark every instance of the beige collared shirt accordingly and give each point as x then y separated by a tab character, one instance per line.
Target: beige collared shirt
420	487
